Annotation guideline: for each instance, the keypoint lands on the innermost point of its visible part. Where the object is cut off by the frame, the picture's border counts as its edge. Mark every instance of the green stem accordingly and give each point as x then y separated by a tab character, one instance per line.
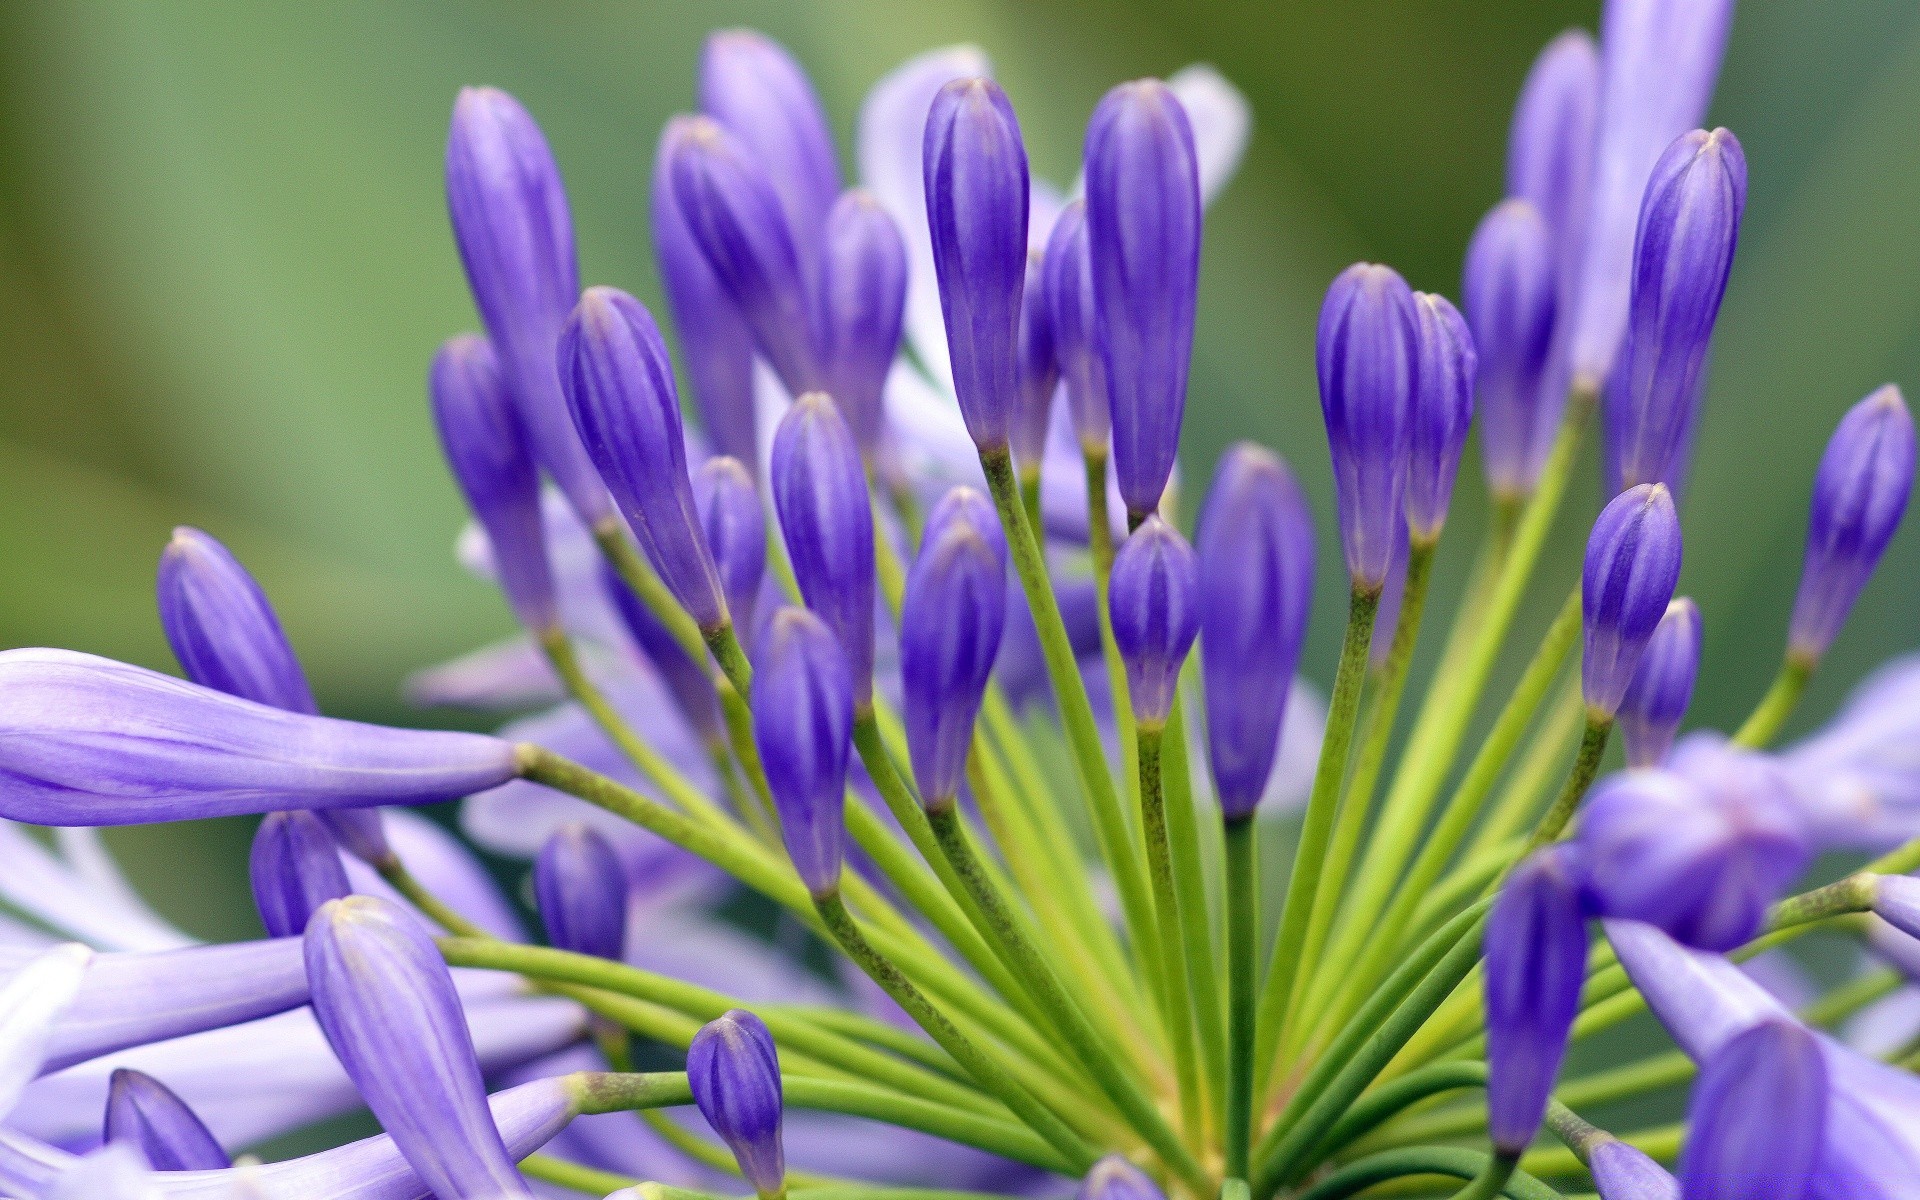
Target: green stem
1526	791
1070	692
986	1071
730	657
1302	884
1491	1181
1064	1014
1422	1160
1586	764
1197	934
1383	1103
1166	909
634	571
1243	924
438	911
575	1177
1778	704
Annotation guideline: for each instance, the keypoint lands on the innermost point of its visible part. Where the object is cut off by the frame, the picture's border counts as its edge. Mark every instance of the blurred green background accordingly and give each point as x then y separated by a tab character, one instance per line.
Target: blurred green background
224	262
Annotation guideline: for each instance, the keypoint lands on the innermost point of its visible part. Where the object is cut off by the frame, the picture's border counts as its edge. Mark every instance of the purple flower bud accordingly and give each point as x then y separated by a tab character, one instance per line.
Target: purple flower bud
1039	370
360	832
619	385
143	1112
1536	947
803	723
1114	1178
859	307
687	681
1689	226
515	236
1154	600
736	532
1658	63
1632	564
222	627
734	215
1442	410
90	741
383	997
826	517
1386	615
733	1068
751	85
715	342
1550	145
1510	295
950	626
1699	850
581	891
1621	1172
486	447
1758	1117
1896	900
975	174
1143	233
1662	685
295	868
1859	496
1067	279
1256	551
1368	351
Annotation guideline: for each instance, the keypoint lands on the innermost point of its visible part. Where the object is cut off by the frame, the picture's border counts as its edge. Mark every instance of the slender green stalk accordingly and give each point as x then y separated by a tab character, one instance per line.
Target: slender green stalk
1197	936
1389	1100
992	1134
1526	791
578	1178
438	911
634	571
1243	925
986	1071
1083	734
1586	764
1491	1181
1422	1160
1662	1144
1303	883
1166	909
731	658
1063	1013
1778	704
1030	494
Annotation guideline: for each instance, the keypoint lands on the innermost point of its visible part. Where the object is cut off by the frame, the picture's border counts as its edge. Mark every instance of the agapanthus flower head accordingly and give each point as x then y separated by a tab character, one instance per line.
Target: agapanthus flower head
1758	1116
515	237
1154	601
1536	947
90	741
736	532
1143	239
1550	147
1700	848
221	626
1115	1178
1368	355
803	723
826	518
295	868
1442	410
750	84
1662	685
733	213
1256	559
619	385
1039	371
859	305
734	1070
580	887
1510	289
950	626
1632	565
383	997
1624	1172
1658	65
975	176
1859	496
487	449
1067	279
145	1113
1689	226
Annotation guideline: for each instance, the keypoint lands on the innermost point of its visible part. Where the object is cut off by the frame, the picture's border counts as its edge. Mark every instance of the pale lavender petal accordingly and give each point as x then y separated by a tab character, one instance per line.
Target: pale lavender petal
77	901
31	1005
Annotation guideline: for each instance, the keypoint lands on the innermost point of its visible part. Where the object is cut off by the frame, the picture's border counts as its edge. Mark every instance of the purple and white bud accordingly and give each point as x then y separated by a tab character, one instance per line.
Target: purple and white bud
1256	559
1067	279
1550	146
1632	565
1536	948
803	724
1143	238
1662	686
1757	1121
1859	496
1368	353
736	532
580	888
222	627
144	1113
619	385
975	173
733	1068
1442	411
752	85
1624	1172
826	518
1154	601
1039	372
860	305
1510	293
295	868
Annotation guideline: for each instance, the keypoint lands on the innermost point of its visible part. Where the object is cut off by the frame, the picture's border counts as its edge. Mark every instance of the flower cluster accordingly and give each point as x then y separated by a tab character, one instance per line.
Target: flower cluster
894	652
